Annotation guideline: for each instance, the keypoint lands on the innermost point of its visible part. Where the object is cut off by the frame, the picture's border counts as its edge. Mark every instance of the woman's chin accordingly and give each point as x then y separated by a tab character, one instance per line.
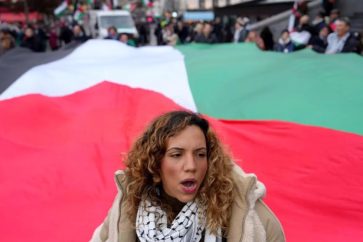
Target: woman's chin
185	198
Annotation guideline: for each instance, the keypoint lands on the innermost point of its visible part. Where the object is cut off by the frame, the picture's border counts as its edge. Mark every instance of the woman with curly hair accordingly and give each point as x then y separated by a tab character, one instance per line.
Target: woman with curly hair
180	185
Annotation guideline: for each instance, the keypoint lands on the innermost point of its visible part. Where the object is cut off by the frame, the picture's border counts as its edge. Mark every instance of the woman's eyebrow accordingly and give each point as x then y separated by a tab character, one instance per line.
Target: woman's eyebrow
175	148
182	149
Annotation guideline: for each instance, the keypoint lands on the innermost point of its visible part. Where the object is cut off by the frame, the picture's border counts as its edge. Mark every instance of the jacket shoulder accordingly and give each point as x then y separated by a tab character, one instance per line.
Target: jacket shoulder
273	227
116	227
259	221
247	188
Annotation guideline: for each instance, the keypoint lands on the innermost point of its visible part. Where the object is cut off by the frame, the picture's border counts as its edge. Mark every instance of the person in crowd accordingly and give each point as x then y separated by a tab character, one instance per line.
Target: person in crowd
31	41
41	35
218	29
144	33
328	6
284	43
228	28
7	41
126	39
207	35
333	17
268	39
15	30
318	23
79	35
158	32
197	30
123	38
240	31
182	30
303	33
342	40
180	185
53	39
112	33
254	37
320	42
169	36
66	33
161	23
300	10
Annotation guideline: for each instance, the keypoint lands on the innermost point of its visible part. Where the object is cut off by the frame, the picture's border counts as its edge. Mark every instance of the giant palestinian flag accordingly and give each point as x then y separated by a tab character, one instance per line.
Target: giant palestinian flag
68	117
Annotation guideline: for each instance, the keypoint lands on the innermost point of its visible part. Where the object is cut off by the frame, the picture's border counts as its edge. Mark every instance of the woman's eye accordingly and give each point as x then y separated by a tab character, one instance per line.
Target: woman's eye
202	155
175	155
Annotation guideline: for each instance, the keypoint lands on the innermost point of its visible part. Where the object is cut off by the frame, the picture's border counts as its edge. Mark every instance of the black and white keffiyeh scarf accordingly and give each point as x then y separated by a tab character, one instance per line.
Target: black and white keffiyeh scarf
188	225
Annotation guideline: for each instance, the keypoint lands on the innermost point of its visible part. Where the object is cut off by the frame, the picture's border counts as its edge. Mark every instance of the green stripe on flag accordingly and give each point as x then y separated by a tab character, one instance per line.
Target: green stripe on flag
238	81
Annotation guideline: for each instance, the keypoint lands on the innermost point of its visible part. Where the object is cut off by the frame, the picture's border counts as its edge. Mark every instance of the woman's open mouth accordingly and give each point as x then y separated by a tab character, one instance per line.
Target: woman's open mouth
189	185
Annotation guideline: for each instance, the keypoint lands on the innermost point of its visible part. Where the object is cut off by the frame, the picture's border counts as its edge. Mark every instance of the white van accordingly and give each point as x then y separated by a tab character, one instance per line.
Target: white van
101	20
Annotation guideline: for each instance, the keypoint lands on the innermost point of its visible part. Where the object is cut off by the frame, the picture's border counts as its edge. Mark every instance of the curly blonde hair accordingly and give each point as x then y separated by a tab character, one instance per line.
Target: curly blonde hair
142	174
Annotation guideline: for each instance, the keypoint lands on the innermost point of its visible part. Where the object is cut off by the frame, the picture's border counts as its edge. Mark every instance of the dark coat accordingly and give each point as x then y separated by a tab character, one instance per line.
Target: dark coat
352	44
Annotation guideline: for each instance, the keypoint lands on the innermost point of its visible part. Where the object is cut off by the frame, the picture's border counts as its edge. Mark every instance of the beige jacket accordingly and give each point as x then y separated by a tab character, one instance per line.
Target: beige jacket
251	220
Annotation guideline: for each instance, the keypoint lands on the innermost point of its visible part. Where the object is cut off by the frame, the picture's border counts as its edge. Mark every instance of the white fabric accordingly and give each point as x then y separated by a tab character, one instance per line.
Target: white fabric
253	222
301	38
159	69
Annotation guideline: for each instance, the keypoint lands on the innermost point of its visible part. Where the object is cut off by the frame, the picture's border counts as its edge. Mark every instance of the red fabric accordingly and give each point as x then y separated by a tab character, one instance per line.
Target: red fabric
58	156
313	175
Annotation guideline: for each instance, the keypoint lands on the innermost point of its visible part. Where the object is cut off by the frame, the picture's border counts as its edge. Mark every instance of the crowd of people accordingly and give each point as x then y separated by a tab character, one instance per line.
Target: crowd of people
38	38
325	34
217	31
328	32
61	34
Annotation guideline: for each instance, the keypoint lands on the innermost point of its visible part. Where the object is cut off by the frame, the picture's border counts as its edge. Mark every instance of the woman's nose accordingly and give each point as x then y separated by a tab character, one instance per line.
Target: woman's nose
190	163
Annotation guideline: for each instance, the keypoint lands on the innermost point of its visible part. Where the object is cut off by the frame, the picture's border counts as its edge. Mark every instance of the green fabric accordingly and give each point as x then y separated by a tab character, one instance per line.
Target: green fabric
238	81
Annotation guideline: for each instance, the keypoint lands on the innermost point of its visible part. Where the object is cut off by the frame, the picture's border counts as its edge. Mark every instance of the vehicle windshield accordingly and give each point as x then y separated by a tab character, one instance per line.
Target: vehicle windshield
120	22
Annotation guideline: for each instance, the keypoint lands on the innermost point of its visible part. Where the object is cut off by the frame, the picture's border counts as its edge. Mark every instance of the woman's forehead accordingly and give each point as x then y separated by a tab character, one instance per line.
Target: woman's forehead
190	135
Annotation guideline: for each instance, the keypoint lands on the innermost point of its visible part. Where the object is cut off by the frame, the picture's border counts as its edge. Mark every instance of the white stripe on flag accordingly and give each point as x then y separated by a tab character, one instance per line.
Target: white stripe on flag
159	69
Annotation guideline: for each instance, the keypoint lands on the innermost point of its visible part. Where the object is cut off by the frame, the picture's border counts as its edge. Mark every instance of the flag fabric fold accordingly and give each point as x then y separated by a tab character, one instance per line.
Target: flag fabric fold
66	124
158	69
